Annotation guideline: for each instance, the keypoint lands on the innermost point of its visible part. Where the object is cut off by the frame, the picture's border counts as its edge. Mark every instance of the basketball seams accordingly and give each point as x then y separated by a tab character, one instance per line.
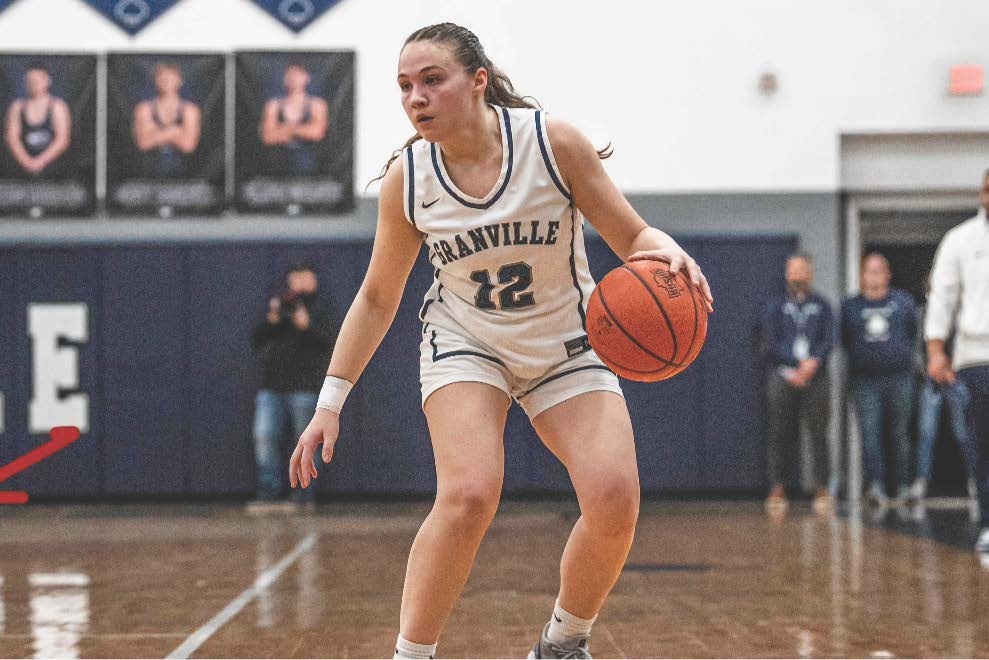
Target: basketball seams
662	310
666	363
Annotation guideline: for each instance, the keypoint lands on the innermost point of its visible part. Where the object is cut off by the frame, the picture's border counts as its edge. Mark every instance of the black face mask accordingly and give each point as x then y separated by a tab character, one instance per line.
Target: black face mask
308	299
798	288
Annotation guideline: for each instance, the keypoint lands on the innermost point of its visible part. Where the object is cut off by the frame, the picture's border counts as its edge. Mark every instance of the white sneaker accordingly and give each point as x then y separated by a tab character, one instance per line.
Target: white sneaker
918	490
877	496
982	545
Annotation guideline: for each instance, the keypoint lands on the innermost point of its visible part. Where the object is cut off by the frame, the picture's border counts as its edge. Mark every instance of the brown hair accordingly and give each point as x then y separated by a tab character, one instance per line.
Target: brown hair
470	53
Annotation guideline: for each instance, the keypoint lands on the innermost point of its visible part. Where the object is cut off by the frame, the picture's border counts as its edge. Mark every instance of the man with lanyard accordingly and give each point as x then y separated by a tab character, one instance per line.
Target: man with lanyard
798	334
960	299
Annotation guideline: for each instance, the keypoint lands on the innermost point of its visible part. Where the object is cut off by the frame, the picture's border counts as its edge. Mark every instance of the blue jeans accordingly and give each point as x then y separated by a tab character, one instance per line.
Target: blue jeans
976	379
932	396
270	412
886	398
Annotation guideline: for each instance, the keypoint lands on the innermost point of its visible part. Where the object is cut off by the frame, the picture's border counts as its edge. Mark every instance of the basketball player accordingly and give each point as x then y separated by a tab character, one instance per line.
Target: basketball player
166	128
39	127
496	191
296	123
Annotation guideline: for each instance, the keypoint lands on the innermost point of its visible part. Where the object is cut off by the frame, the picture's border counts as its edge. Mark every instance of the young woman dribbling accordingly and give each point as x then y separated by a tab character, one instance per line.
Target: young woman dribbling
497	191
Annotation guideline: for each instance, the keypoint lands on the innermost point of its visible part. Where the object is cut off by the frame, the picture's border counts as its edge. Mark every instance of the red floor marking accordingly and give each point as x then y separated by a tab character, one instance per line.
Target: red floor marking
61	437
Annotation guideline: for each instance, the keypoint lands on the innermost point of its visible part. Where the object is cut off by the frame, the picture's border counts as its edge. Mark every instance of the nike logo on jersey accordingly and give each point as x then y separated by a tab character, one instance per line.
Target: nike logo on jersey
537	232
426	206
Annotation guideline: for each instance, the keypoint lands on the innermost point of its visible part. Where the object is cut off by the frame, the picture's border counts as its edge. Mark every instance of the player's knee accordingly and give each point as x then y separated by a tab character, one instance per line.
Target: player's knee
471	502
613	508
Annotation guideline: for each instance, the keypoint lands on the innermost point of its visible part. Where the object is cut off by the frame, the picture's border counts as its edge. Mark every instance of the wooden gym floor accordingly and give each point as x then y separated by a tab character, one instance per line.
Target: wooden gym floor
705	579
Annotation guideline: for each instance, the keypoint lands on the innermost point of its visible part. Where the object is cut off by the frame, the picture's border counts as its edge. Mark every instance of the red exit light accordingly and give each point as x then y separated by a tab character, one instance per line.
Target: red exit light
966	80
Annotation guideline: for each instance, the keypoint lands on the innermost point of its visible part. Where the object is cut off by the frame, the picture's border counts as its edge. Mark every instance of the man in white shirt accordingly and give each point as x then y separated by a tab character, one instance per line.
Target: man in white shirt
959	298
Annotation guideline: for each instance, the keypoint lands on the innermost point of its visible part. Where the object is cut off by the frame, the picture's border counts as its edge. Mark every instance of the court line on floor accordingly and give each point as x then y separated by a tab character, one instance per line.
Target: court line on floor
265	580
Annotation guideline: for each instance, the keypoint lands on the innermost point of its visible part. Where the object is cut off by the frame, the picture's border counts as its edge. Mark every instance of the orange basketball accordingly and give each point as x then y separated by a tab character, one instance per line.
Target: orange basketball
645	323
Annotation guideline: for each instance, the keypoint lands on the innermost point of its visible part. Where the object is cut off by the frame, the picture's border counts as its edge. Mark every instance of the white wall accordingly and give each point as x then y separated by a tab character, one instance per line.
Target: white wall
671	83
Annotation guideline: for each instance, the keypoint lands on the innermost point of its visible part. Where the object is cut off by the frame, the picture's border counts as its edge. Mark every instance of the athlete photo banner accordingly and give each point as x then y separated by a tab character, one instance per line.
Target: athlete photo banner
132	16
295	132
296	15
165	133
48	106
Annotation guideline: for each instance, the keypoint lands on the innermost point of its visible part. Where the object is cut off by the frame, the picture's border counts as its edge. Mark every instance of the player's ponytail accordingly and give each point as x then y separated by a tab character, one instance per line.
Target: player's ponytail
468	50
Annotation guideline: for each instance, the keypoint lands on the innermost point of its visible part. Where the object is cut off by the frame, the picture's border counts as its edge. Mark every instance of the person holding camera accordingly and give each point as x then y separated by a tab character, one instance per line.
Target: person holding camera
293	340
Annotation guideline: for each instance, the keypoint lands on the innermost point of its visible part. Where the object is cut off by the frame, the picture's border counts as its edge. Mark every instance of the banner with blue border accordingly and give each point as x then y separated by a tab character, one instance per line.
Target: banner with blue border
296	15
132	16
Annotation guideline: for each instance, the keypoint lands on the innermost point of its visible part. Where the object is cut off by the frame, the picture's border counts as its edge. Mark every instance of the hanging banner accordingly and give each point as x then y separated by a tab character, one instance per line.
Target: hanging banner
295	132
49	134
165	133
132	16
296	15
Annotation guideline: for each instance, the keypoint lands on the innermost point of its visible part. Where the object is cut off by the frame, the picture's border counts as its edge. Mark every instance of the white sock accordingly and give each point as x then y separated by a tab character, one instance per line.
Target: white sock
564	626
406	649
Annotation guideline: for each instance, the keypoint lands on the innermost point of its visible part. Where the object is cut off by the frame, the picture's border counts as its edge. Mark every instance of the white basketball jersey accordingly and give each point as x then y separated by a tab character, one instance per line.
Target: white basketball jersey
510	268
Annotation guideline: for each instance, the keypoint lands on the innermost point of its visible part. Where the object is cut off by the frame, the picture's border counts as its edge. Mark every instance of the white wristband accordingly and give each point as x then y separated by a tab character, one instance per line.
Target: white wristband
333	394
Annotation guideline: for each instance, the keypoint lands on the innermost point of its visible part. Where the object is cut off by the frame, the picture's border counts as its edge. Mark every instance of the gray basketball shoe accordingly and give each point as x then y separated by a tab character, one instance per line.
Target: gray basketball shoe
544	648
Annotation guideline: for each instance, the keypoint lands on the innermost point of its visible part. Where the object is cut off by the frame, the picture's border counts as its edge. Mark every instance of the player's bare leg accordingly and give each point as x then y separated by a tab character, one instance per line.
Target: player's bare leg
592	435
467	426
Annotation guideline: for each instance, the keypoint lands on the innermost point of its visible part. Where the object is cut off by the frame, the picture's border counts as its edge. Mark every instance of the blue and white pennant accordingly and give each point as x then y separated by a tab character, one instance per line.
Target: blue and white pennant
296	15
132	16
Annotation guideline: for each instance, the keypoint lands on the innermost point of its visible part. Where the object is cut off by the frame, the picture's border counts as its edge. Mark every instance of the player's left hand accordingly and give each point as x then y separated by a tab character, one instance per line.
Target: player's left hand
678	259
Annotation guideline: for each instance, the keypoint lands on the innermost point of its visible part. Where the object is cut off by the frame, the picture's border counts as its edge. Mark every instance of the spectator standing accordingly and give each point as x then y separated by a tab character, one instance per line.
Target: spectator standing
798	335
295	341
879	333
959	300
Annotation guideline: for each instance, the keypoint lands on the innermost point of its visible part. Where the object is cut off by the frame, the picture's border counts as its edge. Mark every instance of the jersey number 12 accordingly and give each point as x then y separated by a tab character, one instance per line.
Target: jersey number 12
518	277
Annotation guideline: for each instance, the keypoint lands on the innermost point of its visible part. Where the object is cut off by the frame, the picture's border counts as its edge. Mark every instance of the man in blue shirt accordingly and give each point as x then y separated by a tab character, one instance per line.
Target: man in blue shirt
879	333
798	334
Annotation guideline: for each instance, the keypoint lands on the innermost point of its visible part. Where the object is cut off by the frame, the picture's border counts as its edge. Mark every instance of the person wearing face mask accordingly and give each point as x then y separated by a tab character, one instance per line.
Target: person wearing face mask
879	332
797	333
294	341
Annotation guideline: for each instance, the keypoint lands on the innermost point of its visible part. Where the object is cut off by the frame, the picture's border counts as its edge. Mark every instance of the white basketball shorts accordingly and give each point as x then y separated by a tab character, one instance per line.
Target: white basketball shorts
447	357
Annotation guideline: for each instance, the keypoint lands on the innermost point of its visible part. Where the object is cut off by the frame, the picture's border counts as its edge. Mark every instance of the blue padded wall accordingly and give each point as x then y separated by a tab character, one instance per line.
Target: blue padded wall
171	376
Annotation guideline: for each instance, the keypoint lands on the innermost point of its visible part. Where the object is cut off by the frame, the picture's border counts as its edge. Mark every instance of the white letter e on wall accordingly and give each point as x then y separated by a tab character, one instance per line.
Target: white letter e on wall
56	367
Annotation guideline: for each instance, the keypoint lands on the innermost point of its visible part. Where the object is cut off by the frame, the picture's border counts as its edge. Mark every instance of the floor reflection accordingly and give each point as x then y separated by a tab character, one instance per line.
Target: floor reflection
59	613
714	579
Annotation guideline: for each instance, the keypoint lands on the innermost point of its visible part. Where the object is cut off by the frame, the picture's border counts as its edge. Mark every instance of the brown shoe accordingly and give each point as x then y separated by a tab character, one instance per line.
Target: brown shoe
823	503
776	503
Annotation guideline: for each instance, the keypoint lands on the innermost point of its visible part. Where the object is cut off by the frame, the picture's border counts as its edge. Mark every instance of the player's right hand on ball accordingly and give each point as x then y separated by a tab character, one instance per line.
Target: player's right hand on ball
322	430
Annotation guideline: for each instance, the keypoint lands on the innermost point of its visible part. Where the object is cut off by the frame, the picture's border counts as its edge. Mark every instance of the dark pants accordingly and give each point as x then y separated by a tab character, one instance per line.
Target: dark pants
976	379
271	411
786	407
882	400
